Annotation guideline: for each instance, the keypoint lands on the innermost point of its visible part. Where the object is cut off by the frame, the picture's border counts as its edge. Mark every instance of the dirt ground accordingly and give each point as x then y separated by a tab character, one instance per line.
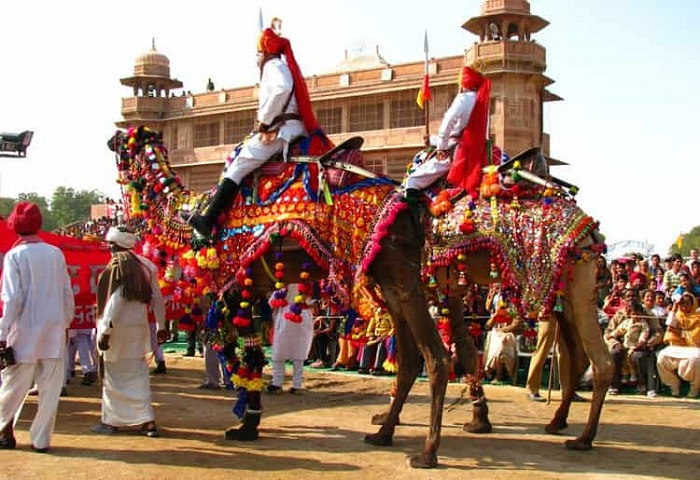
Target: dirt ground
319	435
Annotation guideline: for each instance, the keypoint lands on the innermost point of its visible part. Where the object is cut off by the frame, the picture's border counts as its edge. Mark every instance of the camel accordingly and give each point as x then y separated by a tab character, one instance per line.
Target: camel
549	262
308	228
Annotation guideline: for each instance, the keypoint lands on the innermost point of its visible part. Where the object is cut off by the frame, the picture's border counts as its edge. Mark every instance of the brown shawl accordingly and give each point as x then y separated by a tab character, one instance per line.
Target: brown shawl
124	270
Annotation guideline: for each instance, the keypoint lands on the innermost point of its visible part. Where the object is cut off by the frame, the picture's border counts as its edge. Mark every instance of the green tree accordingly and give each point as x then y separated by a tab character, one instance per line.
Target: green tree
69	205
6	206
690	240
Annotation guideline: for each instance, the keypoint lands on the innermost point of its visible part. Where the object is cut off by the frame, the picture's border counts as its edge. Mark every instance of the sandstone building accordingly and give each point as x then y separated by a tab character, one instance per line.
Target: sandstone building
364	95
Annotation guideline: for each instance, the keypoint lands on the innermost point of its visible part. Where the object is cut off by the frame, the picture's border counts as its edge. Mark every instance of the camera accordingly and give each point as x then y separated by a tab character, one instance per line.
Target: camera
7	357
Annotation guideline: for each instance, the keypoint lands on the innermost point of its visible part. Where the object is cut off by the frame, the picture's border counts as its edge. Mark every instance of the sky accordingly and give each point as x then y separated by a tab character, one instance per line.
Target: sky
627	70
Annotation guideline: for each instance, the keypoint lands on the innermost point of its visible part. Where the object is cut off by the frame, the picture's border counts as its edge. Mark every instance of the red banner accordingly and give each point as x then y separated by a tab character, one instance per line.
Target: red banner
85	261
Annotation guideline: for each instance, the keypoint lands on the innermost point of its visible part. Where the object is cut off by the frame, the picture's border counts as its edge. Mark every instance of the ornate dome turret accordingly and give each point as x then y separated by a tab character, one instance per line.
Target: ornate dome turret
152	64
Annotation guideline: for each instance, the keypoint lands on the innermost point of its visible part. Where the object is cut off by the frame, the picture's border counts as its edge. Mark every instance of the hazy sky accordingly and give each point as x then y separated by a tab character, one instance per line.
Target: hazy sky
627	69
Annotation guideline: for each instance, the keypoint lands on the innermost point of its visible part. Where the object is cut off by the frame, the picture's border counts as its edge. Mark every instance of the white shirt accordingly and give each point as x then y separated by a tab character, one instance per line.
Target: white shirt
38	302
455	120
276	88
126	321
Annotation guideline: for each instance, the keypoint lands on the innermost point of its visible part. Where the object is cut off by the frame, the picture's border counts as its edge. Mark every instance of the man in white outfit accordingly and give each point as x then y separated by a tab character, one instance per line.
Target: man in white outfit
461	141
291	340
284	113
125	290
38	308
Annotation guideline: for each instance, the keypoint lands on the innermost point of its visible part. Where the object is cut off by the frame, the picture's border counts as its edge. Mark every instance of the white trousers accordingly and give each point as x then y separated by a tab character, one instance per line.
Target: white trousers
427	173
83	342
278	373
251	157
673	366
48	374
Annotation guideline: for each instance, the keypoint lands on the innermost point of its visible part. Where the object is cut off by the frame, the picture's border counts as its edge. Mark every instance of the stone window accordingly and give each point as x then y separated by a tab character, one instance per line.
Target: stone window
206	134
376	165
366	115
330	119
237	125
405	111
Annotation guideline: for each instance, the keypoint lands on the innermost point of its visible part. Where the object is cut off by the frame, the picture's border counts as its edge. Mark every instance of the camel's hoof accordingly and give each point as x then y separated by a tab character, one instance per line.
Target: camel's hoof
379	440
424	460
380	418
478	427
242	435
578	444
555	427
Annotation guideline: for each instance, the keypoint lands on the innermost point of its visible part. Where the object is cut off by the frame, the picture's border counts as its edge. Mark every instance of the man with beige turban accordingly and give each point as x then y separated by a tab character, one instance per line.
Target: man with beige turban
125	290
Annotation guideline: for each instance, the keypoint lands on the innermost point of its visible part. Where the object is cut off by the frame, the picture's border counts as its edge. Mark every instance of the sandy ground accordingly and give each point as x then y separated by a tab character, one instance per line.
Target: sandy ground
319	435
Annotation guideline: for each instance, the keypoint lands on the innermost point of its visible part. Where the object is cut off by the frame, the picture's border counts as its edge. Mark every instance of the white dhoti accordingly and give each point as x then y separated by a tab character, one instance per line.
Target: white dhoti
126	393
675	363
48	374
500	349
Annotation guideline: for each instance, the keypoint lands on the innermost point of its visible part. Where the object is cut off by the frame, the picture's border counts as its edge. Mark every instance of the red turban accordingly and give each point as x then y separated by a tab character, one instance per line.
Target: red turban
270	42
470	154
25	219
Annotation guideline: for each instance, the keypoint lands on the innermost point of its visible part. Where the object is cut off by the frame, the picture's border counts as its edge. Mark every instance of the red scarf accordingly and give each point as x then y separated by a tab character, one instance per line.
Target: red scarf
270	42
470	155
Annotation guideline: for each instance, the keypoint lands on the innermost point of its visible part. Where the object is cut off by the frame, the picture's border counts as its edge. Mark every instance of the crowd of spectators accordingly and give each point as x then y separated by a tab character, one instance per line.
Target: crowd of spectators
645	303
96	228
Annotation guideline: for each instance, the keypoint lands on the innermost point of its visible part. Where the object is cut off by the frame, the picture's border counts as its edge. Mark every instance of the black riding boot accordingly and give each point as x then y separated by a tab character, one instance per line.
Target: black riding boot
225	192
248	431
7	437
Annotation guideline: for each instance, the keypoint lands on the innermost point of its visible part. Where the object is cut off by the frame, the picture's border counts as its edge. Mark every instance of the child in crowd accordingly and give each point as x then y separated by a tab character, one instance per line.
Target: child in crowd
634	332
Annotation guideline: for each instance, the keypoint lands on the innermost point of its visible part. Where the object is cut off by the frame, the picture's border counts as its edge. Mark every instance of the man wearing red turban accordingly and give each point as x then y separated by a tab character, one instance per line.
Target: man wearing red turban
38	308
284	113
463	131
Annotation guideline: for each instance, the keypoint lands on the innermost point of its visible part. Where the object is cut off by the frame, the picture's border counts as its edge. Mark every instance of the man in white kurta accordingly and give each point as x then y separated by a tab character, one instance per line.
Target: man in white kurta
38	308
278	122
124	340
290	341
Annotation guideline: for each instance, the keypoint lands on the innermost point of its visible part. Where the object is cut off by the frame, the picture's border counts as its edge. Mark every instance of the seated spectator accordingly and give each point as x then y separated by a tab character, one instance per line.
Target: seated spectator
681	359
695	271
672	275
686	285
644	359
346	351
500	353
324	336
615	345
603	280
374	352
614	301
634	332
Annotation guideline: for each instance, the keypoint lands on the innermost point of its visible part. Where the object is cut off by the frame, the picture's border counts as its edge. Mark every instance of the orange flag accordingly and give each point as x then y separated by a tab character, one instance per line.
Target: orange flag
424	92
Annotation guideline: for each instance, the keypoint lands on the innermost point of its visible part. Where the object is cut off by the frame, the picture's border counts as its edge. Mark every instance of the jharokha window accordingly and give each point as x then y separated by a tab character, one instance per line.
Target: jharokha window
366	115
330	119
206	134
237	125
404	111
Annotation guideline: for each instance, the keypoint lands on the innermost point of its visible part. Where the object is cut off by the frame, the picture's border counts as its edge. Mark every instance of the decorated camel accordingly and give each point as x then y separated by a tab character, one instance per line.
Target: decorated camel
352	234
540	245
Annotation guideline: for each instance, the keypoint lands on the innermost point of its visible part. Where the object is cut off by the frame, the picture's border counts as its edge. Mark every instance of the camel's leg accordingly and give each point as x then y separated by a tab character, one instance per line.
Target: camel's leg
581	294
468	357
408	359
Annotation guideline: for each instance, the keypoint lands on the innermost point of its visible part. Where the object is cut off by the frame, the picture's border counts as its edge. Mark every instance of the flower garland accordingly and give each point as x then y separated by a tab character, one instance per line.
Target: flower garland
305	290
244	316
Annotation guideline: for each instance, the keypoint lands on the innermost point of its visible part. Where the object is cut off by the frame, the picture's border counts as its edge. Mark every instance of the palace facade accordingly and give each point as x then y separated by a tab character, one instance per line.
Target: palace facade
364	95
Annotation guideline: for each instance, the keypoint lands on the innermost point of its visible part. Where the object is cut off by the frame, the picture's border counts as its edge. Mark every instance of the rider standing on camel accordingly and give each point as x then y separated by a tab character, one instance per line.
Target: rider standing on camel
284	114
460	142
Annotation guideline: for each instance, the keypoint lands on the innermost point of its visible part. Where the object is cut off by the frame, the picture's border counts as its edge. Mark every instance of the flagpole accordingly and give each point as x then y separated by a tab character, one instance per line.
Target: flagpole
426	72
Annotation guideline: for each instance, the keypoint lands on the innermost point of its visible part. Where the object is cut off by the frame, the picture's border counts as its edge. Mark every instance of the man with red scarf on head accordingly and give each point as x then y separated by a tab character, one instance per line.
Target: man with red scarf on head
38	308
461	140
284	113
